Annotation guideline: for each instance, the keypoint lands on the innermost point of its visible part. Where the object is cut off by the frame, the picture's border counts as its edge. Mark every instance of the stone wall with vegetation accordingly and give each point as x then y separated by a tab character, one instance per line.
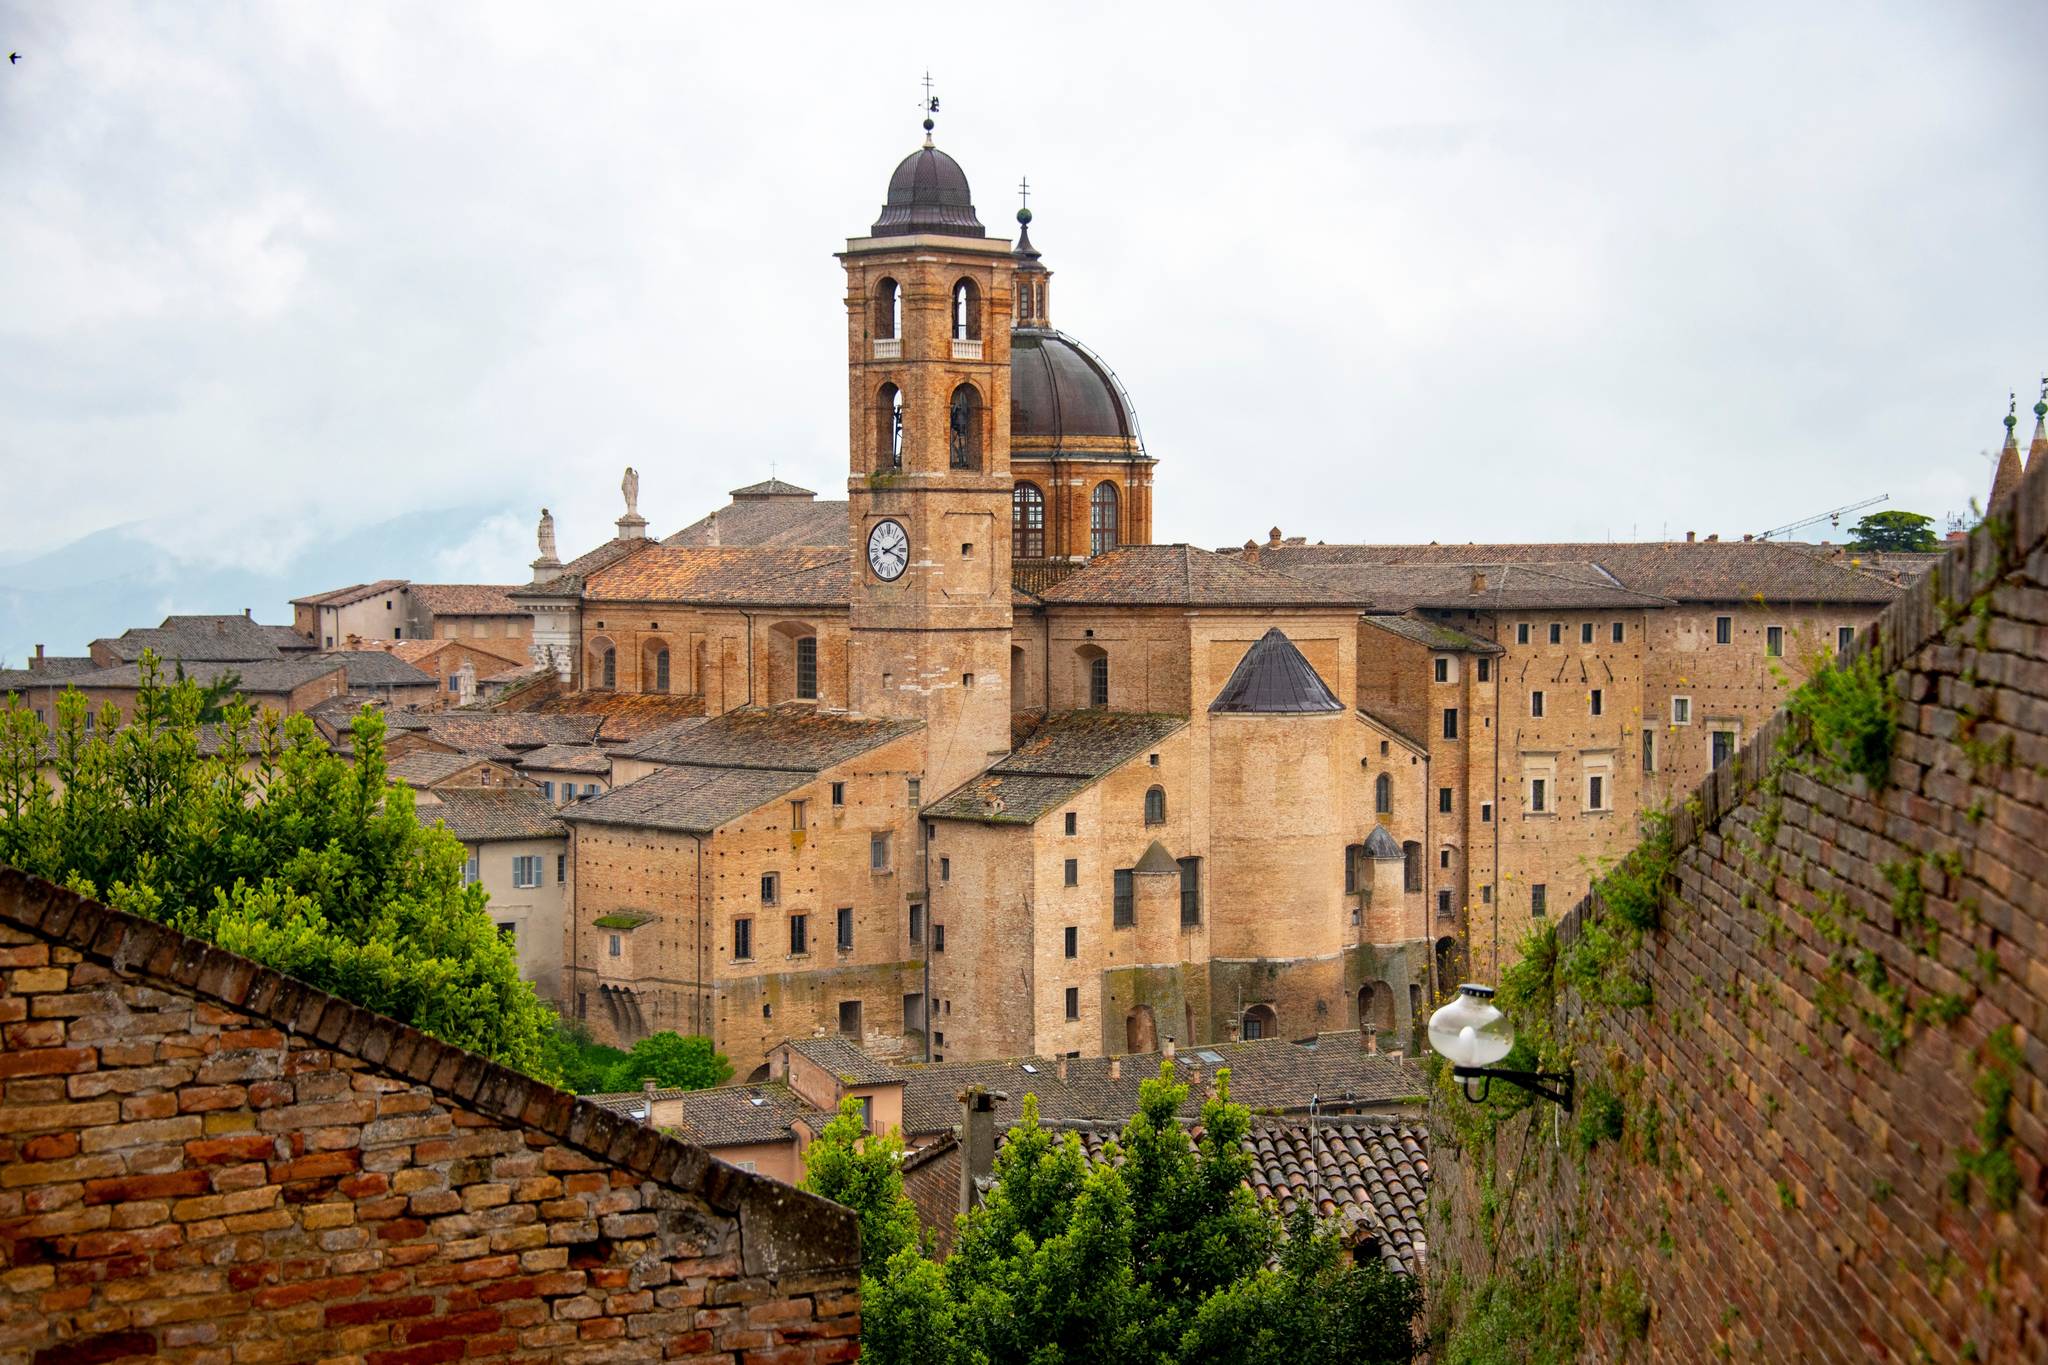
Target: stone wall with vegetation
1806	1018
203	1160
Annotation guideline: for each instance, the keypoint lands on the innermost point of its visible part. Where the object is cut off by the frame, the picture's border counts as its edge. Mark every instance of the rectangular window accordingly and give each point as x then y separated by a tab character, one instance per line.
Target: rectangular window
799	935
1557	632
1536	705
1724	630
916	793
1617	632
1125	907
1585	632
878	852
1450	722
1486	894
561	868
845	926
1073	823
1443	857
807	668
849	1022
838	793
1190	892
1539	895
454	683
742	940
1098	682
938	938
472	872
1724	746
1596	792
547	792
796	816
1649	751
1681	710
1486	812
1073	941
1597	700
1522	633
1485	670
945	869
1443	670
1073	872
770	885
526	871
509	929
1354	868
916	923
1443	799
1844	637
1538	792
913	1013
614	946
1443	904
1073	1002
1774	641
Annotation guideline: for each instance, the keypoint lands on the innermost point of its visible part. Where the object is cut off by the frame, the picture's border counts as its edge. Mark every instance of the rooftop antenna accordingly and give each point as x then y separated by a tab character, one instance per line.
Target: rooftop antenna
930	105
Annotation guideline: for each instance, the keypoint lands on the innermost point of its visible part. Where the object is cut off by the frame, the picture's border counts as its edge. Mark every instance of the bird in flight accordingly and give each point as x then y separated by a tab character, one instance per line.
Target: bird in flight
13	57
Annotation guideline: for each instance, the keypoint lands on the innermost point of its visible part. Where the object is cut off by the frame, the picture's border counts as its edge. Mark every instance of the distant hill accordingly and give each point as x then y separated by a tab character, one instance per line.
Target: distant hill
105	582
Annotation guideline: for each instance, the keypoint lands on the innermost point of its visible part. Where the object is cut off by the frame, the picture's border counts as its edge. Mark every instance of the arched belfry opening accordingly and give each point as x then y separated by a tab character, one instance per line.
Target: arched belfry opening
967	431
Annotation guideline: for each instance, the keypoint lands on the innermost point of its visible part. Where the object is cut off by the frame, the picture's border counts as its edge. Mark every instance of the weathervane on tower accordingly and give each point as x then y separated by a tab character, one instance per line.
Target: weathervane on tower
930	105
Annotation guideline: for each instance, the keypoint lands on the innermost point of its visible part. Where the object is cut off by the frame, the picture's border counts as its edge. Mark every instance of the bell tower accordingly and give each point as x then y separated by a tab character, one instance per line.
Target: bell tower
928	303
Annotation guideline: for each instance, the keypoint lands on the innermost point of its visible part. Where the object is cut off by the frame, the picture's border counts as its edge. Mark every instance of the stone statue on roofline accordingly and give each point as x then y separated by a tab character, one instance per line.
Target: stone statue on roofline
547	534
630	486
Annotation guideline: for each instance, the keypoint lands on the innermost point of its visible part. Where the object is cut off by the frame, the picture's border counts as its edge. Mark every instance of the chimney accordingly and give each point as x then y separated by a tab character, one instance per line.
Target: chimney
1746	538
1688	537
648	1085
247	614
977	1140
1478	582
1116	1068
1712	538
1061	1070
1370	1036
1169	1047
1273	536
36	664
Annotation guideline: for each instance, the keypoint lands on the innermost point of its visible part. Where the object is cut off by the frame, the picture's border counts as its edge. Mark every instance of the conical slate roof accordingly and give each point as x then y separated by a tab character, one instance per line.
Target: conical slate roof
1273	679
1380	844
2008	476
1156	862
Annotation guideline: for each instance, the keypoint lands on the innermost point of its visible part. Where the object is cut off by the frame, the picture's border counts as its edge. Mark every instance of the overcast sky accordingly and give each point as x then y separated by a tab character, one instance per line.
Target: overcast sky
1369	272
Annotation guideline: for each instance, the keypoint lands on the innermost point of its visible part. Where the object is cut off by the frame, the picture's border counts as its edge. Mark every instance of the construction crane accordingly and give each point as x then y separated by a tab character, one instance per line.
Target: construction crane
1833	517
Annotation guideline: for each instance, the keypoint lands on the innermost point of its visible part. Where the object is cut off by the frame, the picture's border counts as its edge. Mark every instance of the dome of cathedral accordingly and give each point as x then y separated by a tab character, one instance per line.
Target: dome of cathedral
928	193
1059	389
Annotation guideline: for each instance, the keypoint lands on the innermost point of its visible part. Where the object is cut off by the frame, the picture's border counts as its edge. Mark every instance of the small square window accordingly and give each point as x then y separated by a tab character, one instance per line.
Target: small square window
1443	858
1539	896
1443	904
1774	641
838	793
1073	822
967	681
1153	760
1486	894
849	1022
1073	1002
1522	633
878	852
1681	710
1724	629
1585	632
1557	632
770	885
1073	941
1844	637
1486	812
1443	799
1536	704
1073	872
1443	670
1617	632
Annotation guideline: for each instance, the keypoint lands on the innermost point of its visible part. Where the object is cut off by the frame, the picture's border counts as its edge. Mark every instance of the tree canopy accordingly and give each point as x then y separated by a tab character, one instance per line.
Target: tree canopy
674	1061
253	834
1159	1253
1894	531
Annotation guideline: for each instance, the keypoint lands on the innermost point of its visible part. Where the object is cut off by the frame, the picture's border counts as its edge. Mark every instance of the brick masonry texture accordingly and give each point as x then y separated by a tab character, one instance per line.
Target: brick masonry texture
1809	1197
202	1160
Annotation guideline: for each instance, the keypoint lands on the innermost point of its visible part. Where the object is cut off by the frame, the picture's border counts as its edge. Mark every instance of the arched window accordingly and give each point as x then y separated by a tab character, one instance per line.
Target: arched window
1450	965
1376	1006
966	424
1411	866
966	311
654	668
604	664
888	323
889	427
1102	519
1027	522
1155	806
1260	1022
1383	795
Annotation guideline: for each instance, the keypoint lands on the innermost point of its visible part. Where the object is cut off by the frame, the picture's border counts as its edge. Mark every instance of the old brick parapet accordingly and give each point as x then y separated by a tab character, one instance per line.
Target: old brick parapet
1821	1138
203	1159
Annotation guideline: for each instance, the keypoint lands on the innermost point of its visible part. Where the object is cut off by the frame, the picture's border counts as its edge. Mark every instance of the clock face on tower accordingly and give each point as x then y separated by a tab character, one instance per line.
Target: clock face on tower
888	550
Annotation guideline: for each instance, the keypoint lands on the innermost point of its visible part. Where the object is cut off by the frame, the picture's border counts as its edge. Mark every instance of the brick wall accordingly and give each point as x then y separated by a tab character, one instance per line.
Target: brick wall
1807	1103
202	1160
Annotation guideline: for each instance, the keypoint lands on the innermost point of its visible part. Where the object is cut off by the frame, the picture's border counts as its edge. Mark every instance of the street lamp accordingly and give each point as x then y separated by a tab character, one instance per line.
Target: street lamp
1472	1034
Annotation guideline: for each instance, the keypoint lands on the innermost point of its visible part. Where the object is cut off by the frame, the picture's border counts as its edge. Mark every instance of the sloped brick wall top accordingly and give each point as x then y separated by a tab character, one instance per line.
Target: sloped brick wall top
203	1159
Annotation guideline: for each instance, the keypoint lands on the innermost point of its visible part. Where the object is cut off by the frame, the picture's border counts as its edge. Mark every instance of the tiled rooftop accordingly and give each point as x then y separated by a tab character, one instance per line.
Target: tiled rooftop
567	758
733	575
1059	758
727	1116
195	639
466	599
769	513
487	814
424	768
1183	575
265	676
1431	635
473	731
688	800
784	738
342	597
379	668
1521	586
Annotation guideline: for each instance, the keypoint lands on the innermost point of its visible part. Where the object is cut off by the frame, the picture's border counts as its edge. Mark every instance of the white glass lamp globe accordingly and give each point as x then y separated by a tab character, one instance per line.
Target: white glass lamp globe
1470	1031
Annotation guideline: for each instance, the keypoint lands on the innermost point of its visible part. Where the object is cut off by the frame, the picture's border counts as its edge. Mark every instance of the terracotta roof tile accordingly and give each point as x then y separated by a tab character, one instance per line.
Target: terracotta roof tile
1431	635
767	575
622	717
770	513
423	768
726	1116
466	599
487	814
689	800
471	731
790	738
192	639
265	676
567	758
845	1059
1059	758
1183	575
342	597
379	668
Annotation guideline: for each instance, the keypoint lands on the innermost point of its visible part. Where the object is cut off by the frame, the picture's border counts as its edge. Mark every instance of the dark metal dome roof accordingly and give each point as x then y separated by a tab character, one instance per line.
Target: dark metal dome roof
928	193
1058	388
1273	679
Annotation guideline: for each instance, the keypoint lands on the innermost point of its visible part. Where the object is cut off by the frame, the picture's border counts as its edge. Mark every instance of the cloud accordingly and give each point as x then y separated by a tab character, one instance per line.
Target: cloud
1473	272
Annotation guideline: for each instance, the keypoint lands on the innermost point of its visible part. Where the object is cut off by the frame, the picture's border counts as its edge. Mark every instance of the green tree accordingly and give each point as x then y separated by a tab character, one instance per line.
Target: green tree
864	1171
216	696
676	1062
1316	1306
271	846
1893	531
